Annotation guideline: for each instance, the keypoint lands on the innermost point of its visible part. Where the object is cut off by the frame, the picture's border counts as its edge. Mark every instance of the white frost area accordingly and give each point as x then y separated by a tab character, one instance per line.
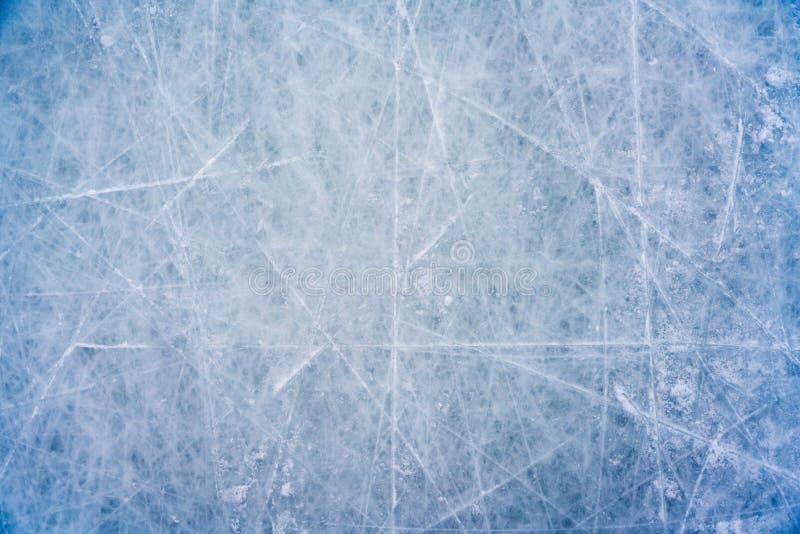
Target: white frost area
639	158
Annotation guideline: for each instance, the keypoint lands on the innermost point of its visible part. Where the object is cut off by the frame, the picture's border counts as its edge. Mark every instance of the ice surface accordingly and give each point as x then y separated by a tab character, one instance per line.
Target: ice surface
201	208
